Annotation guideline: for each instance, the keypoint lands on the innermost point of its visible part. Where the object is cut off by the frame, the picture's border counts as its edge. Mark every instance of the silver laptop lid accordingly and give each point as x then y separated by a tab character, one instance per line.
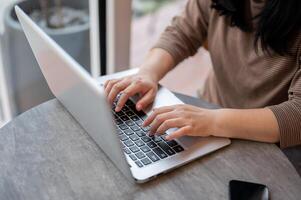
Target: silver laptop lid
76	90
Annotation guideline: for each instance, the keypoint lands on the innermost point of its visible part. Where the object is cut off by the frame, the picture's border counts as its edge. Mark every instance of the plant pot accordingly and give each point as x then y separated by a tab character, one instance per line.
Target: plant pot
29	88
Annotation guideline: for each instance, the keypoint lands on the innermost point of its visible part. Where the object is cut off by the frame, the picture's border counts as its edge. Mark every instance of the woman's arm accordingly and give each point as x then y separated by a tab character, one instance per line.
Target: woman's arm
252	124
157	63
180	40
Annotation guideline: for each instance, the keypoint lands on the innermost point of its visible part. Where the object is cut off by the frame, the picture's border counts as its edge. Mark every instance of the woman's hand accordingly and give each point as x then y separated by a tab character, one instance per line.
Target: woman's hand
143	84
190	121
157	63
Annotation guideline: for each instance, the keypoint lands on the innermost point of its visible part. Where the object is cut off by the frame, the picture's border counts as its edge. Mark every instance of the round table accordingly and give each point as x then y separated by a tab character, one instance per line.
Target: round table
45	154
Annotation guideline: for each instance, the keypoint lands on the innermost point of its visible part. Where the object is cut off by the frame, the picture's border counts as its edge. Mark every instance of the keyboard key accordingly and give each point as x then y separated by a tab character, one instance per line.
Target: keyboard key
118	122
146	129
134	137
123	137
166	148
128	143
140	155
134	149
120	113
139	143
124	118
146	139
127	151
172	143
163	137
139	164
135	128
140	113
156	139
153	156
130	123
125	108
129	102
119	132
151	144
135	118
146	161
160	153
143	117
133	157
132	107
178	148
139	122
129	113
145	149
128	132
140	133
123	127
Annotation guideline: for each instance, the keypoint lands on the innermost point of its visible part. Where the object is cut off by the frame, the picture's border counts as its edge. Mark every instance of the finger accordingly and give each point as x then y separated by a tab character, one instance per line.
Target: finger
131	90
106	83
116	89
109	85
170	123
160	119
146	100
156	112
179	133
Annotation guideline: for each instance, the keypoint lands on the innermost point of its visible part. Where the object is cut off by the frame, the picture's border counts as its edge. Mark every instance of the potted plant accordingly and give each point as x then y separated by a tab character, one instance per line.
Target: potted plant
66	21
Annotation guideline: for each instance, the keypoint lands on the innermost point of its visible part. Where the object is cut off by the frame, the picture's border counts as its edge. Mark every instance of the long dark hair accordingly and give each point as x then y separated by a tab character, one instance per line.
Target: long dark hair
278	24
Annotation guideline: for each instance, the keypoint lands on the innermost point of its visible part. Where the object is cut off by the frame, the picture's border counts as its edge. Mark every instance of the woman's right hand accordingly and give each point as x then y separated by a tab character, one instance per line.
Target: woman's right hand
143	84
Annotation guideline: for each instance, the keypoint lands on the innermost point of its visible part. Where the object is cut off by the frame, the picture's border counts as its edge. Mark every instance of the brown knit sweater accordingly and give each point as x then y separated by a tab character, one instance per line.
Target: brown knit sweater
240	78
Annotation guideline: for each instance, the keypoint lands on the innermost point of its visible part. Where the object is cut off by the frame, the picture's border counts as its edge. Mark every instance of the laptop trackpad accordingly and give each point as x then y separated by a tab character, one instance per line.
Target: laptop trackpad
186	141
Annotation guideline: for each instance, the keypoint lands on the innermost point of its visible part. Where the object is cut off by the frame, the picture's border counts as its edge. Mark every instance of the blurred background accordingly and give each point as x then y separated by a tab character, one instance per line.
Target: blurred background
104	36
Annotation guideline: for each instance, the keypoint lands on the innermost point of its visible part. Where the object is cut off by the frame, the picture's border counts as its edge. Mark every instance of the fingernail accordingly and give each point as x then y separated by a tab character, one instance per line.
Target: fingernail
138	107
117	109
167	138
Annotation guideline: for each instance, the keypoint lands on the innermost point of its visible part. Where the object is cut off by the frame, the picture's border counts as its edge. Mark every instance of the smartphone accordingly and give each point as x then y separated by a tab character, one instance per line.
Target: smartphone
241	190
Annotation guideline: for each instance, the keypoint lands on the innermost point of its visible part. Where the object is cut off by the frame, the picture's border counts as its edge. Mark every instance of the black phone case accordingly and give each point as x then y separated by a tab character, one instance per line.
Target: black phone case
241	190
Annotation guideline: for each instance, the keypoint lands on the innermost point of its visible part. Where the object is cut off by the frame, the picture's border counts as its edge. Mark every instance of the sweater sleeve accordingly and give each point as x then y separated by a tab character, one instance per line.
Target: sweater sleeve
288	114
187	32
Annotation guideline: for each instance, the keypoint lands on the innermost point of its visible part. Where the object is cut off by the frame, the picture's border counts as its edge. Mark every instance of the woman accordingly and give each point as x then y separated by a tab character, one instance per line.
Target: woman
255	46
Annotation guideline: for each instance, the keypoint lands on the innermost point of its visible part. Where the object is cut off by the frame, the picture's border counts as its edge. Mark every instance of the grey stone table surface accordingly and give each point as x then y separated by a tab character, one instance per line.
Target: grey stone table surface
45	154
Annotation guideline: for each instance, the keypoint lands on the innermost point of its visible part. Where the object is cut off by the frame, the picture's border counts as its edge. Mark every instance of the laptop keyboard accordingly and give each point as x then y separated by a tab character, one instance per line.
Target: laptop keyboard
141	148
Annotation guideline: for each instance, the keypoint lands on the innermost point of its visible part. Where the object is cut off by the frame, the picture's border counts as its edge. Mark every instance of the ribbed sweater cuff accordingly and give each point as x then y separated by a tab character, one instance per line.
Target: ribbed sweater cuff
289	122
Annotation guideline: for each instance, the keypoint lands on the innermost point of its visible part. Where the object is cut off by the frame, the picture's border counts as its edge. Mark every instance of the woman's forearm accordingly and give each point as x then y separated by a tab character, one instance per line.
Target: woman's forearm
252	124
157	63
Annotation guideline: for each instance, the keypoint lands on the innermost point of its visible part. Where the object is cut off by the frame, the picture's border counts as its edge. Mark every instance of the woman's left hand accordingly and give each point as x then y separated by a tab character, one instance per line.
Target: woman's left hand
190	121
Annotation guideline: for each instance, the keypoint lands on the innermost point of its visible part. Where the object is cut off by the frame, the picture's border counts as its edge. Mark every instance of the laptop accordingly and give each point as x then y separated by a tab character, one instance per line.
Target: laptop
119	135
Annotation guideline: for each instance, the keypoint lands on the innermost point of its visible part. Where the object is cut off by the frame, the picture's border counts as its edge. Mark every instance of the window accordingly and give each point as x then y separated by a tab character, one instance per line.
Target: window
4	114
22	85
150	18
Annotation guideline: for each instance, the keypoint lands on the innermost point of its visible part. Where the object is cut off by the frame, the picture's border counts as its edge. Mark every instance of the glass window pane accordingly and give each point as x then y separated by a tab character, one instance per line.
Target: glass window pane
150	18
65	21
